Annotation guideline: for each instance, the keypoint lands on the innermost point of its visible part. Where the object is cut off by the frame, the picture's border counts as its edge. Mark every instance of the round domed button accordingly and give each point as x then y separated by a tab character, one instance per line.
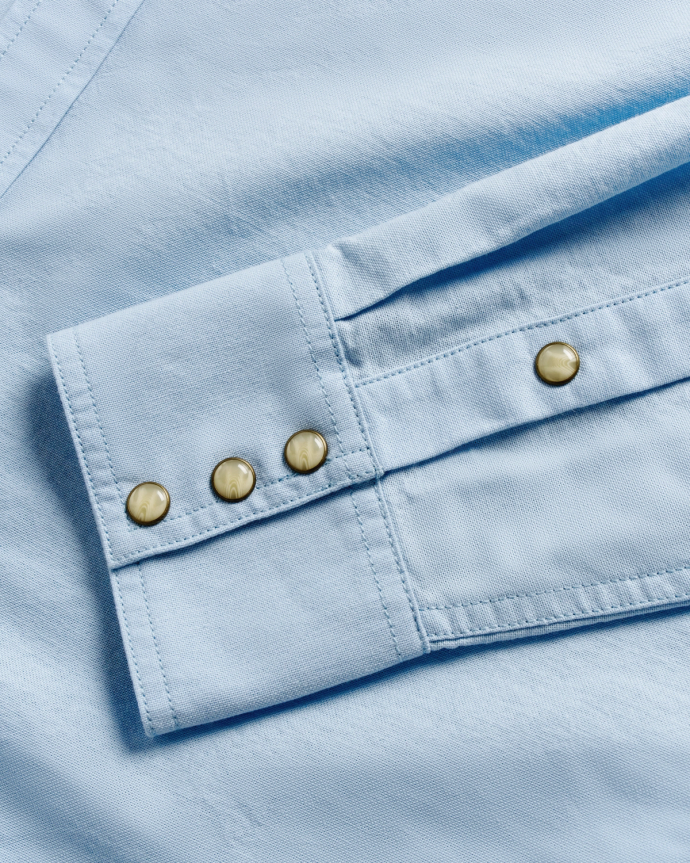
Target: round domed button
557	363
306	451
233	479
148	503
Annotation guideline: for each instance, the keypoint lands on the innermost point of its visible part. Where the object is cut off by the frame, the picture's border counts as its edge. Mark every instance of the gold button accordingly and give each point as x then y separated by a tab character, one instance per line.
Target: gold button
233	479
148	503
306	451
557	363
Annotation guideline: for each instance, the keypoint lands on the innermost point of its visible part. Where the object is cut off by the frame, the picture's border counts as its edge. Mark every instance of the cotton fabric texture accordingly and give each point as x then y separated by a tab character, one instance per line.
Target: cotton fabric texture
465	636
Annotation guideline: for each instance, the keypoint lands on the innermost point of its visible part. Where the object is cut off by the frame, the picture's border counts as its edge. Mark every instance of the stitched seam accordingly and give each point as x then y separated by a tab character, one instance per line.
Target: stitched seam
552	590
440	636
336	350
75	425
376	578
25	22
95	410
155	644
316	365
260	487
132	653
527	328
119	560
401	571
59	83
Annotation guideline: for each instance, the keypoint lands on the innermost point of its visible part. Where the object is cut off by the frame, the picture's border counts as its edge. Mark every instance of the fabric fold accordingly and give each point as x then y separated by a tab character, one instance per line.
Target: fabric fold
363	270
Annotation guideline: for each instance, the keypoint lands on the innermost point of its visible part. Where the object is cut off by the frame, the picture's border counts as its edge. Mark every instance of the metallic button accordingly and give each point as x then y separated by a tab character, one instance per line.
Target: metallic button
233	479
148	503
306	451
557	363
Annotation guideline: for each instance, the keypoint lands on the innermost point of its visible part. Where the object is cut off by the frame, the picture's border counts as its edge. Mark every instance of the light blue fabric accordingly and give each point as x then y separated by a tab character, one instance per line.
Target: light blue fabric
176	181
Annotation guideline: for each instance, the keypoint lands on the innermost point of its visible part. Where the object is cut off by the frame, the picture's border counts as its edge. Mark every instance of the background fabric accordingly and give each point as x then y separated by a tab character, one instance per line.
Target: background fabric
217	136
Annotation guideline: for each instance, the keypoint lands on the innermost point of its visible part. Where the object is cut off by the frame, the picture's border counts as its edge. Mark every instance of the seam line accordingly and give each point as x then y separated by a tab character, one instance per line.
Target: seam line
95	410
401	571
376	578
443	636
552	590
524	329
133	654
260	487
155	644
16	35
59	83
283	504
316	365
75	426
336	351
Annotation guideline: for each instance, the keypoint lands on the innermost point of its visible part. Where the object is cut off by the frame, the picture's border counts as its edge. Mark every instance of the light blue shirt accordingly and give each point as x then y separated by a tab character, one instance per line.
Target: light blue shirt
266	680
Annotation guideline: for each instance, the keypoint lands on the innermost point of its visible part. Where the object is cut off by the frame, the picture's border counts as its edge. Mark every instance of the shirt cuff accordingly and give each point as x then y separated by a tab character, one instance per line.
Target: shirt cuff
261	610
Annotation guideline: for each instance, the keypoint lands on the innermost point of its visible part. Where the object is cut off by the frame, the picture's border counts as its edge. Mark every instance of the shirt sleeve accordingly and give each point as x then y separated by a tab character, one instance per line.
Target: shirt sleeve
227	607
